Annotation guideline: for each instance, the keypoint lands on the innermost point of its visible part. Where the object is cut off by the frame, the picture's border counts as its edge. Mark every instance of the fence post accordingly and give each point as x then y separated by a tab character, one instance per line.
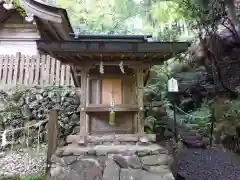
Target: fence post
16	68
213	120
52	136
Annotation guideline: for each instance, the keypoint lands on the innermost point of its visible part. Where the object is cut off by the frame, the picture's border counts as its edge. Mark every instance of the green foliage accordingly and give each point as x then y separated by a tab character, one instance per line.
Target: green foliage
165	12
17	92
32	178
102	16
24	178
201	124
201	15
18	8
123	17
229	117
157	83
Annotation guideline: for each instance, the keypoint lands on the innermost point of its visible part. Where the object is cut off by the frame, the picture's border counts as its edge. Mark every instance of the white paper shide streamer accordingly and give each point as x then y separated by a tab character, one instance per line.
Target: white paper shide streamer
29	17
121	67
8	5
101	68
4	138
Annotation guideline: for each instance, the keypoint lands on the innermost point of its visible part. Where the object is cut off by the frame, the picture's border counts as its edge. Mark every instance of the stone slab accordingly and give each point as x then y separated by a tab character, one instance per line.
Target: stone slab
128	161
130	174
111	171
162	169
76	139
133	174
155	160
101	150
87	168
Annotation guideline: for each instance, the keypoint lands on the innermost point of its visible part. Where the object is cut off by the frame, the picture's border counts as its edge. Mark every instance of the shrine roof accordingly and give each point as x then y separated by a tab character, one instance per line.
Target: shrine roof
52	22
108	48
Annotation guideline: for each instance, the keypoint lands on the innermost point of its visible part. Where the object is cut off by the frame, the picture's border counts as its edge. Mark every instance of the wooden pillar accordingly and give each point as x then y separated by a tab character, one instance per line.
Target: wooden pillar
83	128
52	136
87	103
139	93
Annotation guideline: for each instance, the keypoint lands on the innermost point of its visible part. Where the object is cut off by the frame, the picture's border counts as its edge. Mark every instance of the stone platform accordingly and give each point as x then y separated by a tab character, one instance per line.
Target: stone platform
113	158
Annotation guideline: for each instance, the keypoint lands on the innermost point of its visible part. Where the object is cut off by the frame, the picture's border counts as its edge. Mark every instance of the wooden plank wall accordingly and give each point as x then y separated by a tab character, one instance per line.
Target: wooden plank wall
39	70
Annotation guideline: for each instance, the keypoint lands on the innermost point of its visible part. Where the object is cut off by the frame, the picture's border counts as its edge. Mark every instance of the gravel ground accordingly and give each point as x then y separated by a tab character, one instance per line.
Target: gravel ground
207	164
24	162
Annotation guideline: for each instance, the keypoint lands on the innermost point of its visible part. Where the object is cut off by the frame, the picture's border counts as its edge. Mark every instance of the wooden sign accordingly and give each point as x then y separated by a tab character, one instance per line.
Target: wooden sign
172	85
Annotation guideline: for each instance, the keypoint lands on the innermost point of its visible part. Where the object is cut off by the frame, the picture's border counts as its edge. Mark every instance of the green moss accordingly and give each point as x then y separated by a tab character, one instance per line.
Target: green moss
18	8
25	178
32	178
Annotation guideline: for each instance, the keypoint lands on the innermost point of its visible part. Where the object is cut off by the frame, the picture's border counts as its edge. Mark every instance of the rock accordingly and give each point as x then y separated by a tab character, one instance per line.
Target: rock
56	171
133	162
2	154
68	160
129	174
143	143
123	164
155	160
158	169
194	143
102	160
150	175
57	160
121	161
111	171
143	139
87	169
128	161
168	134
143	153
27	106
168	176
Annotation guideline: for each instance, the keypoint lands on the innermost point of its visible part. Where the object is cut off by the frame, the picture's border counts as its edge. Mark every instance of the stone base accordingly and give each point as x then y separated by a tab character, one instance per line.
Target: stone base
140	161
111	139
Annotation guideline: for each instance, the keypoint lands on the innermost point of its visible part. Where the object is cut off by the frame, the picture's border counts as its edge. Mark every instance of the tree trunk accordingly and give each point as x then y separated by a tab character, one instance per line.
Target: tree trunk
231	12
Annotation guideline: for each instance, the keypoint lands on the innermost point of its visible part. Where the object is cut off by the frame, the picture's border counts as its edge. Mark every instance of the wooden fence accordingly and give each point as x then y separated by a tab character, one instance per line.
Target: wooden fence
39	70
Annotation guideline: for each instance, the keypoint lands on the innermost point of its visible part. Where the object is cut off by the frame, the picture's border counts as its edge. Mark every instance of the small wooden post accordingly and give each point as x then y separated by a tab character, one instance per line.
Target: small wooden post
52	136
139	82
83	130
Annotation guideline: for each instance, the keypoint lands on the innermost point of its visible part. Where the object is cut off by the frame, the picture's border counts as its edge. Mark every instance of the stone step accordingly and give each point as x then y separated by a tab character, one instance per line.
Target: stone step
194	144
110	138
110	149
190	138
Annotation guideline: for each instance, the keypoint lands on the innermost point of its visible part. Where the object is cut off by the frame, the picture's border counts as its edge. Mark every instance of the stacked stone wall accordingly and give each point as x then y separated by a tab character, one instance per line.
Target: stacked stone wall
122	157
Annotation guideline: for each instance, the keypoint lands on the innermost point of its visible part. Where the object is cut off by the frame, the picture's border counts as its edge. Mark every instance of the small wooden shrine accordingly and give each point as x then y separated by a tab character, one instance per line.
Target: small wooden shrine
113	70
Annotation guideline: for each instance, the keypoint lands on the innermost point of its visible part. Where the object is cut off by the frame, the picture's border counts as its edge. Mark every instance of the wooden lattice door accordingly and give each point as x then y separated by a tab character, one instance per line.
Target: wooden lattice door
111	90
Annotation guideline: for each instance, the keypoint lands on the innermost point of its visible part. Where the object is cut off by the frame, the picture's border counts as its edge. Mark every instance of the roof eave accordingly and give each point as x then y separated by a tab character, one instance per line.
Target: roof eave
73	52
57	17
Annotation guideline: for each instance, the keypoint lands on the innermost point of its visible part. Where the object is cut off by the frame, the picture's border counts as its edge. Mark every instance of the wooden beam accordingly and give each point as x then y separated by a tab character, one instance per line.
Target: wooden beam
125	63
113	47
76	78
53	32
68	59
108	56
117	108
